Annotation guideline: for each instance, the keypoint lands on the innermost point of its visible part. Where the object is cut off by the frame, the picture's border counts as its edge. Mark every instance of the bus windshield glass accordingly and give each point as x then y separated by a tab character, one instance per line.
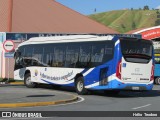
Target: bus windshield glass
138	51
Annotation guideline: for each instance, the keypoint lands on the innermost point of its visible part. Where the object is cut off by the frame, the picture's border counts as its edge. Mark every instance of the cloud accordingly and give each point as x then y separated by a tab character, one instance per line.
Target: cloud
158	7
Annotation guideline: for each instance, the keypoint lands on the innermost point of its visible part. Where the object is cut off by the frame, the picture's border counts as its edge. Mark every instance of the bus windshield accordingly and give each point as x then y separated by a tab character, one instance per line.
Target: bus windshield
138	51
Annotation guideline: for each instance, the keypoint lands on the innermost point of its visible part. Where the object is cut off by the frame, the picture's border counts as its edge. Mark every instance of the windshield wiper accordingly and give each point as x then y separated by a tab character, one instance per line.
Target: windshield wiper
138	55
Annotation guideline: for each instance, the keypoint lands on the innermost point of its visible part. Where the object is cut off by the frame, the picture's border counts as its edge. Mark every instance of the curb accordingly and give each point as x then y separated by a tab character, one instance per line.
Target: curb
33	104
16	83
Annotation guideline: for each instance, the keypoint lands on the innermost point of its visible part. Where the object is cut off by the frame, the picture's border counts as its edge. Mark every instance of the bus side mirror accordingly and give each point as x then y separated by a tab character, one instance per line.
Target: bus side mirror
15	55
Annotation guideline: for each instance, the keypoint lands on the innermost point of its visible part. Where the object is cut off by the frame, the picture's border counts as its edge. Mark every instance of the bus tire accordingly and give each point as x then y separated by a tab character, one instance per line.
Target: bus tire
157	80
80	87
112	92
27	81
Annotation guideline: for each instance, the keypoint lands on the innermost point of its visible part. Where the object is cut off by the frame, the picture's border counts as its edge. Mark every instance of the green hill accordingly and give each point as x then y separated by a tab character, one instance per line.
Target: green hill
126	20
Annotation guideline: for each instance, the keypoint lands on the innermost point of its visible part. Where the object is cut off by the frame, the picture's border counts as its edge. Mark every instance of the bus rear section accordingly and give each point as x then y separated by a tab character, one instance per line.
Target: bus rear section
135	69
131	68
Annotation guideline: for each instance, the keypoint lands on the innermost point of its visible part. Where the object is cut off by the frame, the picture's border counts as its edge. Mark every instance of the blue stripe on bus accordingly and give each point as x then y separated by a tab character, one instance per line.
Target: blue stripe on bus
70	84
115	38
93	76
47	81
114	84
85	70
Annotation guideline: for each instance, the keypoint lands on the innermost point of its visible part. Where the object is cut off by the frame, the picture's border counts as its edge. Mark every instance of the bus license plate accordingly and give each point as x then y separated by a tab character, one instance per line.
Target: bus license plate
135	88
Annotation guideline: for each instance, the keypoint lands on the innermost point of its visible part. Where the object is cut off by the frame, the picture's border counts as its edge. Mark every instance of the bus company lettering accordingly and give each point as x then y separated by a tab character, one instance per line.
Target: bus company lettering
64	77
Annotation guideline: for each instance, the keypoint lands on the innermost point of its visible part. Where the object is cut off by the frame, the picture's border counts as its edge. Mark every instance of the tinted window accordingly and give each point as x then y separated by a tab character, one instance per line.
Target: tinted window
37	57
84	59
72	55
102	52
48	55
27	59
139	51
59	56
93	54
19	58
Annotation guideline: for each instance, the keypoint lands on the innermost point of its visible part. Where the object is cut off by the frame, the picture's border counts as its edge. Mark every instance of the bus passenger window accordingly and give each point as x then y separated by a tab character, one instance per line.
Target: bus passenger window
72	54
59	56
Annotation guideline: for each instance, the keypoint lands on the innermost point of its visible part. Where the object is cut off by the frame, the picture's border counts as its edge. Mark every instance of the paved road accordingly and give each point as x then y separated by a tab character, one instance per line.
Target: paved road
97	101
21	94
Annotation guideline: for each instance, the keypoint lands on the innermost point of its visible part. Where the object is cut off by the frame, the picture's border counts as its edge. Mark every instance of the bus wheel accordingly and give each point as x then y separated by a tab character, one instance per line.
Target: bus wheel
27	81
80	88
111	92
157	80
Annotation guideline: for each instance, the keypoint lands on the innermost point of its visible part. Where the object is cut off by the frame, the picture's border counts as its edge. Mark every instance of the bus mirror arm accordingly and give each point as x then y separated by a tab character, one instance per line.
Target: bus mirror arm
15	54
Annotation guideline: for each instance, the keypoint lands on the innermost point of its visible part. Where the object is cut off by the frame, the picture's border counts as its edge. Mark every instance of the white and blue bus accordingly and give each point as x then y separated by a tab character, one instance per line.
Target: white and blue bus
86	62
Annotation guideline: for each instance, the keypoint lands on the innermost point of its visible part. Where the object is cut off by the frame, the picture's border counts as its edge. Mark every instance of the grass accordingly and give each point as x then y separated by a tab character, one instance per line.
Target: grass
126	20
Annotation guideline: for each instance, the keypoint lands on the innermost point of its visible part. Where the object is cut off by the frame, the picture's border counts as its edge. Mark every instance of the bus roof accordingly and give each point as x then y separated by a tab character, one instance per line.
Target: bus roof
65	39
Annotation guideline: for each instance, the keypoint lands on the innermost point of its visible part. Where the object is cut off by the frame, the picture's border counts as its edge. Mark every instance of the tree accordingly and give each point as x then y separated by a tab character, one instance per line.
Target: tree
146	7
157	22
122	25
133	26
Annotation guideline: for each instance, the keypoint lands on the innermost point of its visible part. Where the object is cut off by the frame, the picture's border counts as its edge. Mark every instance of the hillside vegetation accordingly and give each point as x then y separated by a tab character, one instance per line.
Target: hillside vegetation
126	20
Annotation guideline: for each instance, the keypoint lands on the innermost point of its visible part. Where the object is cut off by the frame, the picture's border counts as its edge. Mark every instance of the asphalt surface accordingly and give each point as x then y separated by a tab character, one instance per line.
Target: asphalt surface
15	94
97	101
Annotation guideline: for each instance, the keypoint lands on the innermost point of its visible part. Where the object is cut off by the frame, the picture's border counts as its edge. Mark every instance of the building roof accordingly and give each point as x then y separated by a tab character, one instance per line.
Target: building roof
136	30
148	33
45	16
